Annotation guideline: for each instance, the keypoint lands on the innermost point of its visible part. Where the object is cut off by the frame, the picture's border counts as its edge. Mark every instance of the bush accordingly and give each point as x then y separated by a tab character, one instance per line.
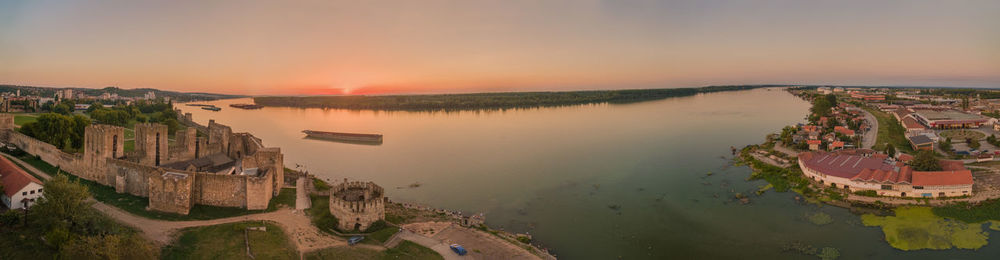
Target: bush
867	193
10	218
965	212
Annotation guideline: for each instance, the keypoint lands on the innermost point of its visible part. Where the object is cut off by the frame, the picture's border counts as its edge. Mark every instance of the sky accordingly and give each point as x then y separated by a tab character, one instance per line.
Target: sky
384	47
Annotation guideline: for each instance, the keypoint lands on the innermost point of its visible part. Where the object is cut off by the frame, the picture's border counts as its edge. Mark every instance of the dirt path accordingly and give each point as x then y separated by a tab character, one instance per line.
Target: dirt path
296	224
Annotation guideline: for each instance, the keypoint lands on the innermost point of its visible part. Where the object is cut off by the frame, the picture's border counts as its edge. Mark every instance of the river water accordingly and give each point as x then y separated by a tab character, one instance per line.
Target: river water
589	182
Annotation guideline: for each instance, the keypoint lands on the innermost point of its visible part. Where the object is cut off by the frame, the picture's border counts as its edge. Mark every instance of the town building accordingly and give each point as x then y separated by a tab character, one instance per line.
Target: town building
948	118
921	142
852	172
814	144
20	189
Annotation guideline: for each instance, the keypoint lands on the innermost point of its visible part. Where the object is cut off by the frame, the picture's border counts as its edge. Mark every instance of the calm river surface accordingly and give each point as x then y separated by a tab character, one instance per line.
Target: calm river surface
556	172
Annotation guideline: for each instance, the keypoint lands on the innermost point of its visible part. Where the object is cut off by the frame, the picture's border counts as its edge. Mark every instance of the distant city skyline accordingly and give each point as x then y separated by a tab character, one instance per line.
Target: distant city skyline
399	47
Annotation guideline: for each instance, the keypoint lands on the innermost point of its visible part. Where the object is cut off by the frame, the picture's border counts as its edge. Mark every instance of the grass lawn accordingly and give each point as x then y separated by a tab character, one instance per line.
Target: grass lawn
24	243
320	215
129	145
227	241
405	250
137	205
24	119
890	131
962	135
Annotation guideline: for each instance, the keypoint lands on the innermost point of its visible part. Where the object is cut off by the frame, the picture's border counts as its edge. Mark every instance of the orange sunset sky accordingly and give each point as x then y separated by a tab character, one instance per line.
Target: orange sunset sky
384	47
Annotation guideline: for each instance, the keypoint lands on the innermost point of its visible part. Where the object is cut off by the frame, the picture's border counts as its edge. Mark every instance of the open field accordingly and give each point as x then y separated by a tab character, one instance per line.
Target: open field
228	241
962	134
22	119
405	250
890	131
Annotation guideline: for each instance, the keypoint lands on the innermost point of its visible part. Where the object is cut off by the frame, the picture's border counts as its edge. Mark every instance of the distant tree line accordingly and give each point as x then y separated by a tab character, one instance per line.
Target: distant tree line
489	101
66	129
63	131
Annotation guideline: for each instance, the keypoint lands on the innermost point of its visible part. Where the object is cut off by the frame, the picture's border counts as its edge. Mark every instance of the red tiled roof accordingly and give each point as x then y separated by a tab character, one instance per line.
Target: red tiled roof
911	123
814	141
14	178
951	165
843	130
942	178
844	166
837	144
904	157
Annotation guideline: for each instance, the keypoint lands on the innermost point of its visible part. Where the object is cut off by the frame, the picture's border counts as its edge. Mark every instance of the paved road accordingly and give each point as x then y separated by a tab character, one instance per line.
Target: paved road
868	140
437	246
302	200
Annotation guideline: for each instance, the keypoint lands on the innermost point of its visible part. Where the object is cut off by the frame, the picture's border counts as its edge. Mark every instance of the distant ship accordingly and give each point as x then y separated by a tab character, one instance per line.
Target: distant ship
198	105
212	108
345	137
246	106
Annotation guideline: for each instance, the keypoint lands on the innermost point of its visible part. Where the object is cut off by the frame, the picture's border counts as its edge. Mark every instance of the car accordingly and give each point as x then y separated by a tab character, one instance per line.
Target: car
355	239
458	249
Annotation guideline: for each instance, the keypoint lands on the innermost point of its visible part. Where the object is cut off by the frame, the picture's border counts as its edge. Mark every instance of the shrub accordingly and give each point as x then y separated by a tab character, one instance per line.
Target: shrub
867	193
10	218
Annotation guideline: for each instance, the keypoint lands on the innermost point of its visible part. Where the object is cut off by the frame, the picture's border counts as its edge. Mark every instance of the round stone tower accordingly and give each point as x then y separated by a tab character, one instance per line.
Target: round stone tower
357	204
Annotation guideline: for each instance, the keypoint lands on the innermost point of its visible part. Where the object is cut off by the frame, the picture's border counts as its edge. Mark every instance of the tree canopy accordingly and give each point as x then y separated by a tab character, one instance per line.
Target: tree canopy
925	161
63	131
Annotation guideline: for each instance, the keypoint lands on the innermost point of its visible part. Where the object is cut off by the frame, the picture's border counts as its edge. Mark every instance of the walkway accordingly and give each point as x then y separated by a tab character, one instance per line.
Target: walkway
780	147
437	246
302	200
868	140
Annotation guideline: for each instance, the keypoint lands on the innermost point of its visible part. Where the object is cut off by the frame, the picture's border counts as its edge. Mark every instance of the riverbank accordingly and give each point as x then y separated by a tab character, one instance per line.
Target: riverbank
489	101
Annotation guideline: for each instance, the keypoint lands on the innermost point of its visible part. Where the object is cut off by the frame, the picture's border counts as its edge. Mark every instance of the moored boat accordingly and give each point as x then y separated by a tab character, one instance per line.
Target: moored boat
246	106
212	108
349	137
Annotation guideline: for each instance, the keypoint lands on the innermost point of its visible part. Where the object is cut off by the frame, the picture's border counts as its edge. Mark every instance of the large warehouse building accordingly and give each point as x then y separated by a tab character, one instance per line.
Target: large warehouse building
847	170
947	119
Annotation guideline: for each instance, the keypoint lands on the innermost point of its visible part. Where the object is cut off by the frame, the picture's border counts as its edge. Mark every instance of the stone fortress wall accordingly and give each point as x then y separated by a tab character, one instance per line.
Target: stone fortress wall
357	204
258	174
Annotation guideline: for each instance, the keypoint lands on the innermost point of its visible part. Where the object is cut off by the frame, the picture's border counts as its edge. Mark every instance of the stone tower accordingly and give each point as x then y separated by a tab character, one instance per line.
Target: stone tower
100	143
6	121
151	143
187	143
357	204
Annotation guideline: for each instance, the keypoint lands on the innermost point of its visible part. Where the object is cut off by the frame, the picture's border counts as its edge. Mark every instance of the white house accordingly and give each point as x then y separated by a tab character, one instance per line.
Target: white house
20	189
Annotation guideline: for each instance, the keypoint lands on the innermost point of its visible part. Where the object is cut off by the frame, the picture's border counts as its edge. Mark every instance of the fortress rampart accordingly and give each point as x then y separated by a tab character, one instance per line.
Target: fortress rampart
255	173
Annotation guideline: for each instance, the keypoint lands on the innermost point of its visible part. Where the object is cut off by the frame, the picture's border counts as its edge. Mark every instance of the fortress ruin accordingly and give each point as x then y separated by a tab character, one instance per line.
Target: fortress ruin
357	204
221	168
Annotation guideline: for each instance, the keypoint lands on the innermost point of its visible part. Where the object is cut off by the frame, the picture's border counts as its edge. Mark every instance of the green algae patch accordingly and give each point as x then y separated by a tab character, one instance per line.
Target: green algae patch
819	218
995	225
915	228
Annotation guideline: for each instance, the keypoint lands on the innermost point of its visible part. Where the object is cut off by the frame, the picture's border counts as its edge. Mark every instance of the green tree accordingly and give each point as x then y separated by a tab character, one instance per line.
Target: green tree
925	161
890	150
64	204
63	109
974	144
945	144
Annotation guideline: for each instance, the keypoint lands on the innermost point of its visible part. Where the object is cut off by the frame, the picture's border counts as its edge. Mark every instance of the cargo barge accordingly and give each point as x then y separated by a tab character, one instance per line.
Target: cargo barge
246	106
344	137
212	108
